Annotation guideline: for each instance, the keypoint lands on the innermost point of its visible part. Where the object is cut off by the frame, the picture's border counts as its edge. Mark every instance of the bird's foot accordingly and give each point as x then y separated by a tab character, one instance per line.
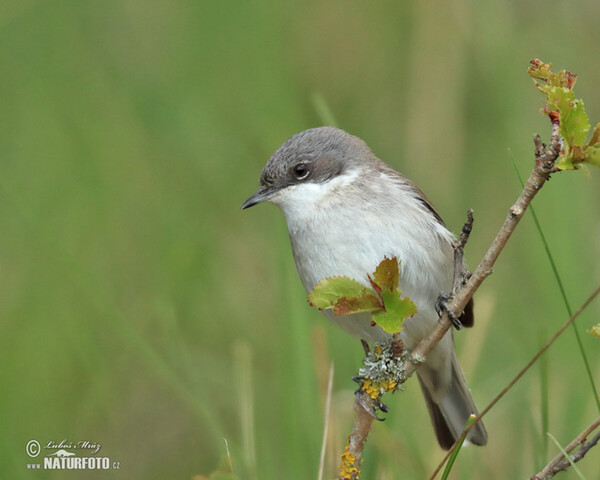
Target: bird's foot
441	305
370	404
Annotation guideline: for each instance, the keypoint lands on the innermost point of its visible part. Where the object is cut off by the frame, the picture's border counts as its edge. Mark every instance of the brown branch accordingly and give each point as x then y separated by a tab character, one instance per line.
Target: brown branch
364	406
558	333
560	462
545	158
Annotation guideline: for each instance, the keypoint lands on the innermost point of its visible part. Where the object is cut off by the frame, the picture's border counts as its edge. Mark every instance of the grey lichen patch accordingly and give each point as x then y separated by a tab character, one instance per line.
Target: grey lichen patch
382	365
417	359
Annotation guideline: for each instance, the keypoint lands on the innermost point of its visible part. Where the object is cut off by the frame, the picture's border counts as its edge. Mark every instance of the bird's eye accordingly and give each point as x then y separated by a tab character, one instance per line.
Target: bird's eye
300	171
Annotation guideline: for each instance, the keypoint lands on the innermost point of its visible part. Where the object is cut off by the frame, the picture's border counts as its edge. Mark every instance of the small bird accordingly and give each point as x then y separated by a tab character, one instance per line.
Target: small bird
346	210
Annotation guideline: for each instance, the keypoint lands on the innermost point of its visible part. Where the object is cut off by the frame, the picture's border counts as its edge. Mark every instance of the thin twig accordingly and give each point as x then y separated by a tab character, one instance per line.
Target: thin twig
520	374
560	462
364	406
579	454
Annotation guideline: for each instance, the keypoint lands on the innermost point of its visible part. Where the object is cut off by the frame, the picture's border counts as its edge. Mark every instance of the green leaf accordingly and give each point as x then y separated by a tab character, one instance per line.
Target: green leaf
559	98
344	296
574	123
541	71
387	274
397	309
565	163
562	108
330	289
367	302
385	281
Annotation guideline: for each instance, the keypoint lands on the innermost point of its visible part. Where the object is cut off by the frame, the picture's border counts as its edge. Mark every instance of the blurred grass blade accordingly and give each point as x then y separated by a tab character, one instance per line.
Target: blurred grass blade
324	112
326	423
567	456
243	367
454	454
562	290
228	454
543	364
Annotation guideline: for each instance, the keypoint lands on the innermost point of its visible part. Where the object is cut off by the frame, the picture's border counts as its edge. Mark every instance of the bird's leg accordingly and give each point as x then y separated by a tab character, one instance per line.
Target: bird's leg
461	275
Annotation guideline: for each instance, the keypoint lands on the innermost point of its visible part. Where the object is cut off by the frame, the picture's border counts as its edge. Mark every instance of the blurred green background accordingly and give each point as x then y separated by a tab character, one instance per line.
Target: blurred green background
142	310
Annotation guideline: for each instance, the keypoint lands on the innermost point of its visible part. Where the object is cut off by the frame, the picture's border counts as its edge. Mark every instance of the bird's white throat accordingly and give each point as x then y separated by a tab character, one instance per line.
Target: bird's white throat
302	202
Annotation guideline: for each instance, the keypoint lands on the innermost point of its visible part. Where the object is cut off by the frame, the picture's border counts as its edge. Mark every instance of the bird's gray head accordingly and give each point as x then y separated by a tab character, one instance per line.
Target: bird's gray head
314	156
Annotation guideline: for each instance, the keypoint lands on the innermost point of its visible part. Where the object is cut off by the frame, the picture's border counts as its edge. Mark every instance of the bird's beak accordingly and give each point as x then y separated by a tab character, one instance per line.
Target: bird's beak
262	194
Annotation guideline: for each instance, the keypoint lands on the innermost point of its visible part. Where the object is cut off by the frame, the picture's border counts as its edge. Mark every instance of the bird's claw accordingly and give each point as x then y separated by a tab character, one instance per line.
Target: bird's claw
370	405
441	305
365	346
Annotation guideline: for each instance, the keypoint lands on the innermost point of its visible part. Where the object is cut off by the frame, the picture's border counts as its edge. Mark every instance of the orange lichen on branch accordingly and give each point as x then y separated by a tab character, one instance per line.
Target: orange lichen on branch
376	389
348	468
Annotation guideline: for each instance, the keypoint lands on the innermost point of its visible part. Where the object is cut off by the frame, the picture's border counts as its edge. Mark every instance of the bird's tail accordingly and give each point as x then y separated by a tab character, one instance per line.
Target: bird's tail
450	412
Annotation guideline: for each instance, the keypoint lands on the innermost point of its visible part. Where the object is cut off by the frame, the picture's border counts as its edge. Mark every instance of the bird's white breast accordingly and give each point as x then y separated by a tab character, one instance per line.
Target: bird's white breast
346	227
